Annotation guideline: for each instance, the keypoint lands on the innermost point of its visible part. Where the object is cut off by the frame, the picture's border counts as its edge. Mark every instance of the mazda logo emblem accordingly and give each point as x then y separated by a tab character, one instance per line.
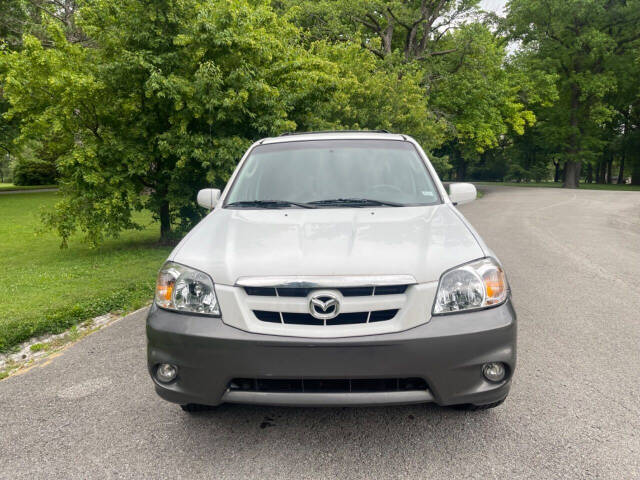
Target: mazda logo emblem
324	305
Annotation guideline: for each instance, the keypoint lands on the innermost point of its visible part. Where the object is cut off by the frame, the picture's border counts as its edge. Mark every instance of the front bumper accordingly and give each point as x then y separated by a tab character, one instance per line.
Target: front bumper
448	352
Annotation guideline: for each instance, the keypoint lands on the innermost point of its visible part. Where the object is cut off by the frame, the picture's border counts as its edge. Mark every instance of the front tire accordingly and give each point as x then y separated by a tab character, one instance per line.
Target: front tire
196	407
475	408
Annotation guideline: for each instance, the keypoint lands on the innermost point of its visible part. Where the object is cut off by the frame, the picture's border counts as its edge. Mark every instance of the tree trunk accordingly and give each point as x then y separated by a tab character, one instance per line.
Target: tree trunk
609	168
572	174
572	166
603	171
635	172
387	36
621	172
624	151
461	173
165	223
589	178
556	175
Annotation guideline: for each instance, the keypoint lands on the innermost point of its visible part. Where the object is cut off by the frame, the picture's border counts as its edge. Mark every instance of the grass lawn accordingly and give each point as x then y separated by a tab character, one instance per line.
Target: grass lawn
47	290
585	186
7	187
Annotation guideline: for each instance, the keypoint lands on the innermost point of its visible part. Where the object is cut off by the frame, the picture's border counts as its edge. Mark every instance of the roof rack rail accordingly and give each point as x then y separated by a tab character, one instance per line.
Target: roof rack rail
333	131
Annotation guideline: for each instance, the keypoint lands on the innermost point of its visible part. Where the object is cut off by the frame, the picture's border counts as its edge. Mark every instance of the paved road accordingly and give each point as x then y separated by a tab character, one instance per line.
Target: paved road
573	260
33	190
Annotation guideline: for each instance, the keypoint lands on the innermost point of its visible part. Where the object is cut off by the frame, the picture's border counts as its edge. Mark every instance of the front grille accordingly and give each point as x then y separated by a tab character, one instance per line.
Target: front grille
305	385
345	291
342	319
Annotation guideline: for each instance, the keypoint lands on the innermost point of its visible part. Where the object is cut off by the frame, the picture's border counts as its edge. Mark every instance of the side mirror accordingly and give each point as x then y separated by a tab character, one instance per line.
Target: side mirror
460	193
208	197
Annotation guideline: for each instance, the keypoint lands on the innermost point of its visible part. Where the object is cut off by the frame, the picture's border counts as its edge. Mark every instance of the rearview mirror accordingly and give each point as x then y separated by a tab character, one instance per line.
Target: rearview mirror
460	193
208	197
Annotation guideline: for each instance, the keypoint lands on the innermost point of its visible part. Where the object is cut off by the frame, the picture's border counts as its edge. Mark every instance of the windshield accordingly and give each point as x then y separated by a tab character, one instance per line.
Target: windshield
333	173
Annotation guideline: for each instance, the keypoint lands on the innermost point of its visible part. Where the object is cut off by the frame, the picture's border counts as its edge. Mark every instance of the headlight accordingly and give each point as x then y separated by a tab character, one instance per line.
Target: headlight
185	289
479	284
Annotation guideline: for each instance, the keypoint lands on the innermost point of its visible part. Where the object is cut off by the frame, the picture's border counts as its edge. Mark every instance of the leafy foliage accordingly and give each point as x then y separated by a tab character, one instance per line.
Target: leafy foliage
374	95
139	103
483	98
405	30
466	90
171	92
166	104
580	41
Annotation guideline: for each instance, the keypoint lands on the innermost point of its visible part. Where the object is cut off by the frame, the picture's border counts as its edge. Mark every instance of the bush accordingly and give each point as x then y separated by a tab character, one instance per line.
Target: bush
34	171
537	173
517	173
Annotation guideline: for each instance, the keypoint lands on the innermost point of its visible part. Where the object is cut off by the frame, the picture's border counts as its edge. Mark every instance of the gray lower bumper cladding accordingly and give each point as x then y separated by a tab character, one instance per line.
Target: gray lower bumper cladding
448	353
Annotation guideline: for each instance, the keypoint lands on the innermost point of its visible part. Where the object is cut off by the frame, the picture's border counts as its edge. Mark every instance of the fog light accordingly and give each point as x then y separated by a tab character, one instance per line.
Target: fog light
166	372
494	371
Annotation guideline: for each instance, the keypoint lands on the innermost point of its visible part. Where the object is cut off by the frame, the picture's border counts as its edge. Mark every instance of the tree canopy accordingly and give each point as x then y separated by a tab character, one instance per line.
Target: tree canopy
589	45
169	93
137	104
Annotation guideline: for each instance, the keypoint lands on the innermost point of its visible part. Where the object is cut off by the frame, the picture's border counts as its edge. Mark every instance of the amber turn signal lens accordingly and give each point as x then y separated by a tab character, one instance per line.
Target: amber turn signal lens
165	286
164	292
495	285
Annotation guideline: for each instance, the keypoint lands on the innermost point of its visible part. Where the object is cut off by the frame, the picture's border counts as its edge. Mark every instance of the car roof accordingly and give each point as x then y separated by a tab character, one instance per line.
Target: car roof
337	135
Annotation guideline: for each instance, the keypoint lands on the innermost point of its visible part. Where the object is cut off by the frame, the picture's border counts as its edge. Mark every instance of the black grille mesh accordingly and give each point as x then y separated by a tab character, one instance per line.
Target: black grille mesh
331	385
342	319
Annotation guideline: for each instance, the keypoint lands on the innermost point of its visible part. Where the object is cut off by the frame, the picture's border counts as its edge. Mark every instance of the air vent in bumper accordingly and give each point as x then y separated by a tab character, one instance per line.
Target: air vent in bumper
299	385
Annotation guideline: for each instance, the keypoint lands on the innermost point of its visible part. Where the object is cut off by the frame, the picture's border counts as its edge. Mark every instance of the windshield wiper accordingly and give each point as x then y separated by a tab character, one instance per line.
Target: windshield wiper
364	202
268	204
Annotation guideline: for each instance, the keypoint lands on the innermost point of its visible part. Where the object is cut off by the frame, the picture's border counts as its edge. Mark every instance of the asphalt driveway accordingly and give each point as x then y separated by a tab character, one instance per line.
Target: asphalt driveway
573	259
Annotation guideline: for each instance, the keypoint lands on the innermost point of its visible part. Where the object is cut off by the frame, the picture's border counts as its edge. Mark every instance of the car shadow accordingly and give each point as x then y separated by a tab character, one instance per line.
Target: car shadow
310	429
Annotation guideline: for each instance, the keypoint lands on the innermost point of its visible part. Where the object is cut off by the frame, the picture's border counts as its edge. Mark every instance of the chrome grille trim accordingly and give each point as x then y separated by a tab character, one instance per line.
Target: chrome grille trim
345	291
326	281
327	399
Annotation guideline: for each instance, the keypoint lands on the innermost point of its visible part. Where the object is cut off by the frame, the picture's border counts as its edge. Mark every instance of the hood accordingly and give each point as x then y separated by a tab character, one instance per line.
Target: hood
419	241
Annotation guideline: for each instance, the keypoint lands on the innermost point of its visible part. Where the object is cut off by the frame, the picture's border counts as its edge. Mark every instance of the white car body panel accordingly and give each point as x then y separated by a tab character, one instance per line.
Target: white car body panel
418	241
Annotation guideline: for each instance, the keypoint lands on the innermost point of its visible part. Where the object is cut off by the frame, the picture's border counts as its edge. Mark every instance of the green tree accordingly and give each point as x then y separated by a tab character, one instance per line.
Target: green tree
578	40
624	125
409	30
20	17
167	94
374	95
483	95
467	89
164	102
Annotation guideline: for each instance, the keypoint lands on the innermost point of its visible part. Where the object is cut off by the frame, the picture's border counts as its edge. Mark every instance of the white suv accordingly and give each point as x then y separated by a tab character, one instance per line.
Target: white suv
334	269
